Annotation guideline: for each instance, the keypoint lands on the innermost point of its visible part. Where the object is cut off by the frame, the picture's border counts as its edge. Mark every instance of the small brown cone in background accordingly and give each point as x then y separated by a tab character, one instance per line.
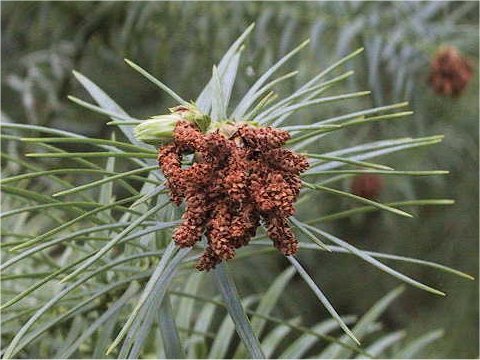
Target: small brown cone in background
368	186
450	72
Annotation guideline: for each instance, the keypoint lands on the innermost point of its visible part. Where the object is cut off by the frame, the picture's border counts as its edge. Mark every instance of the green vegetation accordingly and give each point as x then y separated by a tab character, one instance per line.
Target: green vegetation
89	269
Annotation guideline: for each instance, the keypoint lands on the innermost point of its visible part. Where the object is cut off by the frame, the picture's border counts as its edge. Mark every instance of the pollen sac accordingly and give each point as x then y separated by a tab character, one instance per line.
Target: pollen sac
241	177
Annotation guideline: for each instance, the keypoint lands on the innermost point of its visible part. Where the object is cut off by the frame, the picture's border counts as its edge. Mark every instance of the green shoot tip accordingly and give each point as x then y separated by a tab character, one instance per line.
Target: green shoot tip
305	42
353	337
406	214
110	349
18	247
433	290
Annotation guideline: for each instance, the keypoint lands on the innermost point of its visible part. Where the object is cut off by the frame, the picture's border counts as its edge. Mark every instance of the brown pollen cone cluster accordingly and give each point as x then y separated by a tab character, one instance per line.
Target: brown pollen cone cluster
449	72
241	177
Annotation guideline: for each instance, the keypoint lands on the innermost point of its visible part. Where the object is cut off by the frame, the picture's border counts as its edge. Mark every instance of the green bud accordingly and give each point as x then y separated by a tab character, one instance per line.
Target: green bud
157	130
253	123
190	112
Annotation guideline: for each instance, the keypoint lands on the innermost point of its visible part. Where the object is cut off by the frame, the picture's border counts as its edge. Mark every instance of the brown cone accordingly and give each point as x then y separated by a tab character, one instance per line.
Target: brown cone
450	72
234	183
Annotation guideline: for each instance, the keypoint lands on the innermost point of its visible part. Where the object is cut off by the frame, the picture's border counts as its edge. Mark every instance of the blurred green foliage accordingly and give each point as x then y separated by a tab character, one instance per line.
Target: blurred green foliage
177	42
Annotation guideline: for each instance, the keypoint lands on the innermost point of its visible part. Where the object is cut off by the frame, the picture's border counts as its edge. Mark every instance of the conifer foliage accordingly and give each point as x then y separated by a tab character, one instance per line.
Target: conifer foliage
238	167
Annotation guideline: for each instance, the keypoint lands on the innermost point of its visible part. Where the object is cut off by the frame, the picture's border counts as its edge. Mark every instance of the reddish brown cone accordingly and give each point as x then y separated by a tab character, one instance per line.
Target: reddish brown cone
367	185
450	72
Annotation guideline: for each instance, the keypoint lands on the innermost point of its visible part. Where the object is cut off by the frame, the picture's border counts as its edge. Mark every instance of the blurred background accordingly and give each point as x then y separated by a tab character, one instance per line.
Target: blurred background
42	42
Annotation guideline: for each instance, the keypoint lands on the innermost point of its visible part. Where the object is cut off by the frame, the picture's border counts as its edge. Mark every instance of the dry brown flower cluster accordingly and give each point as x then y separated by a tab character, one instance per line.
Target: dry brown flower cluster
450	72
241	177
